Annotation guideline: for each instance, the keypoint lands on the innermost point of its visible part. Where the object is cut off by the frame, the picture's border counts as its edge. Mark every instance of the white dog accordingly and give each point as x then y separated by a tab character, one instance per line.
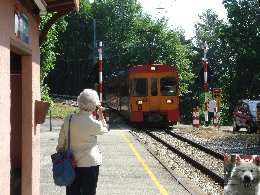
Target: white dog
244	180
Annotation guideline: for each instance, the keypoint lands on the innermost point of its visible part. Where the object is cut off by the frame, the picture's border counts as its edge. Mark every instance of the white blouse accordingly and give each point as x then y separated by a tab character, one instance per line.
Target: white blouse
212	105
83	138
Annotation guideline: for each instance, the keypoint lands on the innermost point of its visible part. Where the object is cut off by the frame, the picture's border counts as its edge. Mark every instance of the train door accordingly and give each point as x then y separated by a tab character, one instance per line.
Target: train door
154	98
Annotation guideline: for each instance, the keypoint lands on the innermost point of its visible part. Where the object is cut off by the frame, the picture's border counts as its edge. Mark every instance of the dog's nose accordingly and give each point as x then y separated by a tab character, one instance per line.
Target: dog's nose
247	178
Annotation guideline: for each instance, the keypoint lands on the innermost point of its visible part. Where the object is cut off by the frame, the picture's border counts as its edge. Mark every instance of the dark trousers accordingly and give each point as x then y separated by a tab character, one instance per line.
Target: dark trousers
85	182
210	117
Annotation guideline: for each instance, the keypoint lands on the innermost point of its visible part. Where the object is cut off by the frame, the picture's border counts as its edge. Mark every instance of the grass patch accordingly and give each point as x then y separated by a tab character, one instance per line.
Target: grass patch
59	110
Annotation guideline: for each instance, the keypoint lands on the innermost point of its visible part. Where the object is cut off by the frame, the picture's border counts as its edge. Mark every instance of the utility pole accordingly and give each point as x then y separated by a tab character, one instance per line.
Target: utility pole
151	47
122	9
95	38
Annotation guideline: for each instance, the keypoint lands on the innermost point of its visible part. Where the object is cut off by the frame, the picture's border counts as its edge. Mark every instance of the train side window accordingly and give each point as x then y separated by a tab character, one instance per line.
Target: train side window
127	89
154	90
139	87
168	86
110	88
123	89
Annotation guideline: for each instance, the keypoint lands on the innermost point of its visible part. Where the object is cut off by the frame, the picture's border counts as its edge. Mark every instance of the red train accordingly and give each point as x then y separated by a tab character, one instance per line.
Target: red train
145	93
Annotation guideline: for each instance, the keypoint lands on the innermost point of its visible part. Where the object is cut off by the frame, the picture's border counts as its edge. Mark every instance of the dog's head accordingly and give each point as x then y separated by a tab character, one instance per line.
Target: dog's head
246	173
249	175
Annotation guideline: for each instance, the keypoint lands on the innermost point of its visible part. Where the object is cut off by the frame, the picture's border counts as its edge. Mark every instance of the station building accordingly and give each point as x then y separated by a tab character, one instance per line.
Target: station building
20	100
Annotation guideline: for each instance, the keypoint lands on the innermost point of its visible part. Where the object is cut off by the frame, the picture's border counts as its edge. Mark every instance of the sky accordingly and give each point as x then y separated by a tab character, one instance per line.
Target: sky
183	13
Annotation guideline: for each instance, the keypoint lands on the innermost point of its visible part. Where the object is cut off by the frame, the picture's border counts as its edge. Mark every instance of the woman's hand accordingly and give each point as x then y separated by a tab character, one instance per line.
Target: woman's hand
100	112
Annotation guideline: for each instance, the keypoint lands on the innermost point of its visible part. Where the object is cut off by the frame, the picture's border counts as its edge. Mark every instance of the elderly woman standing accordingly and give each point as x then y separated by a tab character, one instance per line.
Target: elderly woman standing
83	141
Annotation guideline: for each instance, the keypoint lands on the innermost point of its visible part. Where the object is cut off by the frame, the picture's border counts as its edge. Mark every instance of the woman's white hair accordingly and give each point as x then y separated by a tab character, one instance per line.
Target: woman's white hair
88	100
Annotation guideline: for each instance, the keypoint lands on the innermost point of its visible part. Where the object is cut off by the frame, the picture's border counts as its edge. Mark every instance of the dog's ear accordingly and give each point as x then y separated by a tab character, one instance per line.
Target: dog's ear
233	158
247	157
238	159
226	158
256	160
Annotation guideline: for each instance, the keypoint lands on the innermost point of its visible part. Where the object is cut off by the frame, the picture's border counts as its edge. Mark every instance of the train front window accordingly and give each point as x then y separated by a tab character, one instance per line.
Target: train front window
139	87
168	86
154	91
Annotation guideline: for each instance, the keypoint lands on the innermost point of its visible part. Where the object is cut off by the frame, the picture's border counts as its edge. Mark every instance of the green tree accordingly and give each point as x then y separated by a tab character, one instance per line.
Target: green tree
243	35
130	38
213	30
233	51
48	55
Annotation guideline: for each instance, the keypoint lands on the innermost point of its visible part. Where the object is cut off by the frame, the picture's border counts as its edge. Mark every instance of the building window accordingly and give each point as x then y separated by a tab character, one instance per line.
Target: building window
21	26
16	21
24	28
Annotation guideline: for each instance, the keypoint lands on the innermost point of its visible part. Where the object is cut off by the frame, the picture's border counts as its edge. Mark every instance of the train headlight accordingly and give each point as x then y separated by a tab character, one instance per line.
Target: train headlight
169	101
140	102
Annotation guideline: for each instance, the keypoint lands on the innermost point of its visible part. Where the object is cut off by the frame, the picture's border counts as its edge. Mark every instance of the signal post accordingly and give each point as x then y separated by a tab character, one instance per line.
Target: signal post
100	63
100	70
205	82
217	96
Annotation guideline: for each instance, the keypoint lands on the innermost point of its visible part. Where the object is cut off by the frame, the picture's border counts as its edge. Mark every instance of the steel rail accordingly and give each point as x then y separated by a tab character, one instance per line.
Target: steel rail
203	148
176	177
195	163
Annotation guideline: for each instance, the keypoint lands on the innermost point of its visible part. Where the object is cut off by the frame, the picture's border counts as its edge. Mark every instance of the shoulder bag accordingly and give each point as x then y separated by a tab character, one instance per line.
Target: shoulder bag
63	170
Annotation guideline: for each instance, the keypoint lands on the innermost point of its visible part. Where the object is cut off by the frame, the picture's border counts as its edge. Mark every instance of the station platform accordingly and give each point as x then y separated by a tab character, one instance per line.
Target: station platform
128	167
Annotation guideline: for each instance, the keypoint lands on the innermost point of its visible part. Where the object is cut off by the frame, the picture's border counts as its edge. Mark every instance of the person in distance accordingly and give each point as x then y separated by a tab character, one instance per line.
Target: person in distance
212	105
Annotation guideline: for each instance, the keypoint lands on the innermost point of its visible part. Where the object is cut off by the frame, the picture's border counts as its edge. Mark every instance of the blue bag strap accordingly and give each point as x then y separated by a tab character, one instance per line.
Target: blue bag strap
68	153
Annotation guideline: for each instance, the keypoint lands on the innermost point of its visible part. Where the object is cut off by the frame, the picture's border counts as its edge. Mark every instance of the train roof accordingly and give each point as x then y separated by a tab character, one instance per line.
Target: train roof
146	68
149	68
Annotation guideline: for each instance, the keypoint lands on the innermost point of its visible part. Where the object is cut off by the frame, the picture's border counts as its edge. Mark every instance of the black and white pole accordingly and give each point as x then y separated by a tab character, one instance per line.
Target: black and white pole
205	81
100	70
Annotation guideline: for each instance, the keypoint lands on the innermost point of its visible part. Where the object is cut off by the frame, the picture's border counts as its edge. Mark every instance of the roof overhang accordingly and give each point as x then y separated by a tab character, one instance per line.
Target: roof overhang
58	8
51	6
42	6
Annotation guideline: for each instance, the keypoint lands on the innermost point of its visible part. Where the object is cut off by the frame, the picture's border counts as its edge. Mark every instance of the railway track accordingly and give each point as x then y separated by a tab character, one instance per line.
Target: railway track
192	159
207	171
203	148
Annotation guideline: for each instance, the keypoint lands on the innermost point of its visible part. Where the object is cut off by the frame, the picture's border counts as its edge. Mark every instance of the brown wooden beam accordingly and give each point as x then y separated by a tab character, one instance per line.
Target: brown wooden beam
53	2
50	22
47	1
59	2
61	7
76	2
28	5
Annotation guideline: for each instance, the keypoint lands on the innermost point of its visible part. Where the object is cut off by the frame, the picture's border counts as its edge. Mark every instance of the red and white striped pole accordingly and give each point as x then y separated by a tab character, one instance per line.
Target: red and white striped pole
195	118
100	81
215	120
100	70
100	77
205	82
